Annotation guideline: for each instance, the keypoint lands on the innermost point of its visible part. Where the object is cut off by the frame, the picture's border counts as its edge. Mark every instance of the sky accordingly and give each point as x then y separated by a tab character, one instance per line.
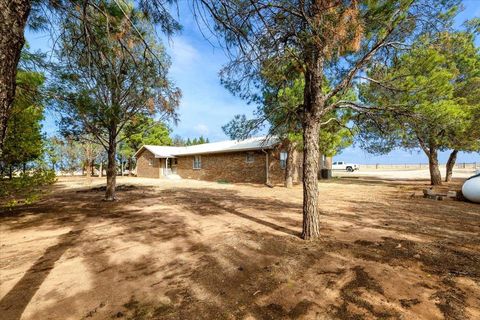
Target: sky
206	105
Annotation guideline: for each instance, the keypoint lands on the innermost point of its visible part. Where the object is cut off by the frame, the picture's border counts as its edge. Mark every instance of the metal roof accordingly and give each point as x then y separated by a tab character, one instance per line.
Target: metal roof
257	143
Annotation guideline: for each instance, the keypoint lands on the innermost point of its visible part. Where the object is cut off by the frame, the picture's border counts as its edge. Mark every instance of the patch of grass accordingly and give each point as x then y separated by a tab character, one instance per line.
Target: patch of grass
25	189
223	181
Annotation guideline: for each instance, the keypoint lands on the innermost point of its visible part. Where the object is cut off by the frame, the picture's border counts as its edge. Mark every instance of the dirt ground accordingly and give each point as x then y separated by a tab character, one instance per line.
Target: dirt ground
198	250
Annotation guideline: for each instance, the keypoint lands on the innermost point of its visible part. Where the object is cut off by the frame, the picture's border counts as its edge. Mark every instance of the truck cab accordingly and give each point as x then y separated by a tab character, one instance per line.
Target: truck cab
342	165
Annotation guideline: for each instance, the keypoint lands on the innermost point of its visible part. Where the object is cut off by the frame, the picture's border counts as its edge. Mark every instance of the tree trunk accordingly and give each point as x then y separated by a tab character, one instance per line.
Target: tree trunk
100	173
435	175
129	166
121	165
88	161
13	18
111	168
450	163
88	169
312	108
291	163
10	173
311	217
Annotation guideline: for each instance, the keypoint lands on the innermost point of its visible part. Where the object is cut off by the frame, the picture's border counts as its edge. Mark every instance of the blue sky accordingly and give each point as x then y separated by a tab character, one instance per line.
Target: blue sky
206	105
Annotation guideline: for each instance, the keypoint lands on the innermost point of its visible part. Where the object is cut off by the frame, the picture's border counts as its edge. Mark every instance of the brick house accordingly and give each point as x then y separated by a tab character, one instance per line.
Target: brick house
254	160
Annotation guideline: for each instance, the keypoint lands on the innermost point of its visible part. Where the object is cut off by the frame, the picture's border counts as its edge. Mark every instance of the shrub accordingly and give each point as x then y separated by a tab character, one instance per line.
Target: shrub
26	187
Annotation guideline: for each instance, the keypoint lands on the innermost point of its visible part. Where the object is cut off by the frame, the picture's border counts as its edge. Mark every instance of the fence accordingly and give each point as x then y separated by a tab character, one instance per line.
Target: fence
416	166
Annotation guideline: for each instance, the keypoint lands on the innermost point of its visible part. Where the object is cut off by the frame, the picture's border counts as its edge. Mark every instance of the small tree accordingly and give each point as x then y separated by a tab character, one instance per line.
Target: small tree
38	14
24	140
327	39
460	48
90	151
117	73
53	152
72	158
433	109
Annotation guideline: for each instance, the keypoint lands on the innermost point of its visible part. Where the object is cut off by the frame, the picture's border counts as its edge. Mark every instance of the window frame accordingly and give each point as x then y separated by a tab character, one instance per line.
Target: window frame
250	157
197	162
151	161
283	162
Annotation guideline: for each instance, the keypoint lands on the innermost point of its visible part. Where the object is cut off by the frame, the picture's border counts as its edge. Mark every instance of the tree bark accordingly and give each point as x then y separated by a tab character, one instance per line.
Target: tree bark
311	217
129	166
111	168
450	163
13	18
88	161
312	111
88	165
291	163
100	173
435	175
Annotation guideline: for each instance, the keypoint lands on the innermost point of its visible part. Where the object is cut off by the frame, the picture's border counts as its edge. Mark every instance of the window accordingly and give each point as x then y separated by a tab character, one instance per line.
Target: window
250	157
150	161
175	161
197	162
283	159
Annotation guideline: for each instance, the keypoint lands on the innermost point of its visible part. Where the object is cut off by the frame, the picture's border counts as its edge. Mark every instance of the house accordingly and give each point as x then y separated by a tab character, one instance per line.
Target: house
254	160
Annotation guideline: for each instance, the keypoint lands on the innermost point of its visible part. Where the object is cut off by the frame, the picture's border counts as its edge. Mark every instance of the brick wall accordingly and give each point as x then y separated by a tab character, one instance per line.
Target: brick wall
144	168
277	173
231	167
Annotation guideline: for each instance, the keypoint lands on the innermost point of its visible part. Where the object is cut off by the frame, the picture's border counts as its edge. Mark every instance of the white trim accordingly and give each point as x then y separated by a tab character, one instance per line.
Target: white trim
198	162
252	144
283	162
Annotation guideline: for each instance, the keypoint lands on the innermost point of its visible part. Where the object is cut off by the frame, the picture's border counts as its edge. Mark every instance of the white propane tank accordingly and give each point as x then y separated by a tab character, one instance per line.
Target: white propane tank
471	188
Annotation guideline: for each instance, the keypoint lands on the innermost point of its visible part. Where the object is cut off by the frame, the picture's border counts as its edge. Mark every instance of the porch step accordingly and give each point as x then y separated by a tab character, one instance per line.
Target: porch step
173	176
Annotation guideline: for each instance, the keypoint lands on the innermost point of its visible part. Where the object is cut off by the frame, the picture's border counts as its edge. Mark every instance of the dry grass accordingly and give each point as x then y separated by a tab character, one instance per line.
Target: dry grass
199	250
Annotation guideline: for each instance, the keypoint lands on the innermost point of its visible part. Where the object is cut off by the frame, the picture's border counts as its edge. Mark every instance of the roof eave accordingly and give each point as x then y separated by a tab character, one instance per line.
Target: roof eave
224	151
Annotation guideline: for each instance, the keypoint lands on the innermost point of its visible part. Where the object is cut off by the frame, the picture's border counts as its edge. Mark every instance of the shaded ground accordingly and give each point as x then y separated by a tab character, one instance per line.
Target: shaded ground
198	250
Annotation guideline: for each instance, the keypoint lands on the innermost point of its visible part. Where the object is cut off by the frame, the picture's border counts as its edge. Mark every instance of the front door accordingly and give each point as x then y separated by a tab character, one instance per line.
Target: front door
172	165
168	165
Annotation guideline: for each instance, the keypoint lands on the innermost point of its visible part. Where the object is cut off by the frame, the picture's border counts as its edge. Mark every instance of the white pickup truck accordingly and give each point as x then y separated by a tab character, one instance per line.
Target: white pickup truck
342	165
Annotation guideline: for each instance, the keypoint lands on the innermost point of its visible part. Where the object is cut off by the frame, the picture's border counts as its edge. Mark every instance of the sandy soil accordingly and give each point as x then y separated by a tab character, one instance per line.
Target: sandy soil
198	250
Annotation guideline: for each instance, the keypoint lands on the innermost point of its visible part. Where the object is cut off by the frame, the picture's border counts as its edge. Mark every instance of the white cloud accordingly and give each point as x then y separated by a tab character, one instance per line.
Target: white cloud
201	129
182	52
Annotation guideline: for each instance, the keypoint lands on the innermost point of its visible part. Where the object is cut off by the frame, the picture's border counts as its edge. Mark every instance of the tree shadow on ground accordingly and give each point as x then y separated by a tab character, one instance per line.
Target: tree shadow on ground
16	300
258	269
221	202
